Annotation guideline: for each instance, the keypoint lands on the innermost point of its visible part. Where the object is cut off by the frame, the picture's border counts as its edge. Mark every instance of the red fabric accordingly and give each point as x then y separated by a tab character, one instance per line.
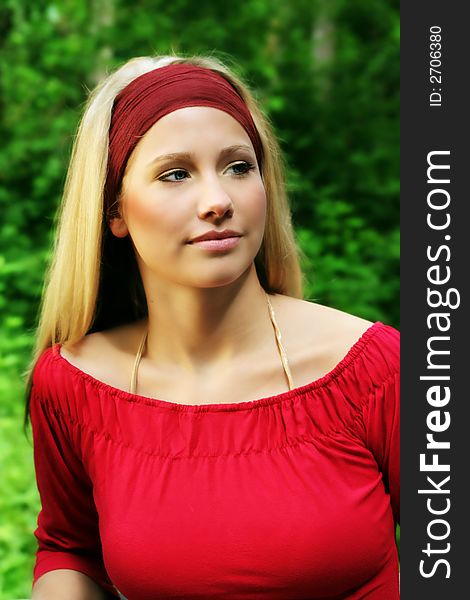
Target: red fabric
287	497
153	95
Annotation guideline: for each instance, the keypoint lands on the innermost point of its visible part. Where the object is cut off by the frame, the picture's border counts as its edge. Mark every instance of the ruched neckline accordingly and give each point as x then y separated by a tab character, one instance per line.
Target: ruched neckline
322	381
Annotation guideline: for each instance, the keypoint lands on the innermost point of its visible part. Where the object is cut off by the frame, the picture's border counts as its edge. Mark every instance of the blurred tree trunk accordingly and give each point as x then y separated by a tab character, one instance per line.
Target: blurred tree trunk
322	40
102	16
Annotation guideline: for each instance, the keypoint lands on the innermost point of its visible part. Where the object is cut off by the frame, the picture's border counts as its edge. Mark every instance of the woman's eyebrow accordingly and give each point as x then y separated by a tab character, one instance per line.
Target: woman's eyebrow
189	155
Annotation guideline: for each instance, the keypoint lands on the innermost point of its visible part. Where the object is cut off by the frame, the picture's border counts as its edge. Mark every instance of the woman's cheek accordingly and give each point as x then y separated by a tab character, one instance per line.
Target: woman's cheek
258	204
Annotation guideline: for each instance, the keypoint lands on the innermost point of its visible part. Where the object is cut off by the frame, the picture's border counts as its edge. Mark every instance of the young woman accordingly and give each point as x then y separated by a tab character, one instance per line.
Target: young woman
200	430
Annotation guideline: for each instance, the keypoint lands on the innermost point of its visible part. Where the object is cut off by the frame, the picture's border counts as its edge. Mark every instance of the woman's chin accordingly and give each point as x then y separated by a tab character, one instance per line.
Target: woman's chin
214	278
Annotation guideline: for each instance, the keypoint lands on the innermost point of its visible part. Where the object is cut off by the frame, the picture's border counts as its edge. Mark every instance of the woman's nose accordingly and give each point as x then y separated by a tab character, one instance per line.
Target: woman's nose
214	199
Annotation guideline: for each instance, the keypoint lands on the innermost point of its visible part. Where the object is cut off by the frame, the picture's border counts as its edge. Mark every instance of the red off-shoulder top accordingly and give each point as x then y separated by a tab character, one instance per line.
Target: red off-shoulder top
293	496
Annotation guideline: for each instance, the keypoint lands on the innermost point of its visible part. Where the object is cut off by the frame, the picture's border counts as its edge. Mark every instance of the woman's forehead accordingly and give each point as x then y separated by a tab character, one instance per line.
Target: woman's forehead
197	117
197	127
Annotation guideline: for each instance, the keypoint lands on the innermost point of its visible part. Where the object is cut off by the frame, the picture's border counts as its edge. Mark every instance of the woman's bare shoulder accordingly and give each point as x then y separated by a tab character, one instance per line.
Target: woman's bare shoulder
316	336
320	320
106	355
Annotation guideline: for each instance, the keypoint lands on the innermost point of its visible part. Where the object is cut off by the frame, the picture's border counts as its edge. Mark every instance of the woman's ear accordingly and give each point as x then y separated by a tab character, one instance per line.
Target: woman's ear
118	227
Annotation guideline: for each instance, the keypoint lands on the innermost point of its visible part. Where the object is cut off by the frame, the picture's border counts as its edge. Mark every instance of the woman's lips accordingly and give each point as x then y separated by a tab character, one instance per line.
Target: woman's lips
218	245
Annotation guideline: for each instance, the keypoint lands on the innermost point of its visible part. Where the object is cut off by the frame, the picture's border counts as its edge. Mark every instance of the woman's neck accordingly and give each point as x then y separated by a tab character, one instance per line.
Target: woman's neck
204	328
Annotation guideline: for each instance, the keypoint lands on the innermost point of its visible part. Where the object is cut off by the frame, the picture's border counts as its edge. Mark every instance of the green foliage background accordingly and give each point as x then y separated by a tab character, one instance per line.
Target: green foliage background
326	73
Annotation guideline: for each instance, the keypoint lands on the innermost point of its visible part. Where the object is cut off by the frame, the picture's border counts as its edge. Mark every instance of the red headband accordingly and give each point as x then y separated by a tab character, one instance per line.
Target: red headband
153	95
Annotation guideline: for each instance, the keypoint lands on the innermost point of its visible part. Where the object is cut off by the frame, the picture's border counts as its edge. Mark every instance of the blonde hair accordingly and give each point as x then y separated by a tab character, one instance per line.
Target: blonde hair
75	288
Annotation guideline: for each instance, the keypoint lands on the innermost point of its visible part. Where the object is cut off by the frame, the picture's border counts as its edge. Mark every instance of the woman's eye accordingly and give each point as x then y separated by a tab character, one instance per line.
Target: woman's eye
177	175
239	169
242	167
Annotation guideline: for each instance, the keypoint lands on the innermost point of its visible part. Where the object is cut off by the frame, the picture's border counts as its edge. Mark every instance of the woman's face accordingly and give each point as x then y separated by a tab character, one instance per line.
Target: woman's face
194	171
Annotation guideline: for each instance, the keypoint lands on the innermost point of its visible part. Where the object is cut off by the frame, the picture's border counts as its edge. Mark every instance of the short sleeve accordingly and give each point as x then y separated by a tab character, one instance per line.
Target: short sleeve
67	532
382	420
